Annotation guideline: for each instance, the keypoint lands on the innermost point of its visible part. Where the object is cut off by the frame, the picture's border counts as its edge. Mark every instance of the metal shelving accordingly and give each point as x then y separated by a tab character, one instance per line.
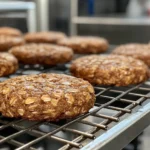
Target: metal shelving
75	19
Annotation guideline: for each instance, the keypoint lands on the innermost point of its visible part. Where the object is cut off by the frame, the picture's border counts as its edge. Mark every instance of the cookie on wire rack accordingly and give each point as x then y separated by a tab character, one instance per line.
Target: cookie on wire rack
50	97
8	64
85	44
45	54
7	42
10	31
110	70
44	37
139	51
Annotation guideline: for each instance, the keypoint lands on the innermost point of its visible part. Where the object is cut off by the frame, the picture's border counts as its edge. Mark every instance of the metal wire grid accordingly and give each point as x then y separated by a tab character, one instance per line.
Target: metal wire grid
121	100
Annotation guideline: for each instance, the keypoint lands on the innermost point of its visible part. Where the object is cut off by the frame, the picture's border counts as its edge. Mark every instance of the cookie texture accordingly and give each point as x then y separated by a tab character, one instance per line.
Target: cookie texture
85	45
6	42
45	54
10	31
139	51
110	70
8	64
45	97
44	37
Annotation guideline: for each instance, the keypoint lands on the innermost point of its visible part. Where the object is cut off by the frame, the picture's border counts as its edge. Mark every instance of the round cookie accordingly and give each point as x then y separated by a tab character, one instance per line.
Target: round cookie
85	45
45	97
110	70
45	54
139	51
10	31
8	64
44	37
6	42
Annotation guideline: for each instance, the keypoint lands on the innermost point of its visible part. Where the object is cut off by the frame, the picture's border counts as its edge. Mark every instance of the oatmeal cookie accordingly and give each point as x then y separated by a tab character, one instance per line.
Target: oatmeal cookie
8	64
7	42
44	37
10	31
45	54
110	70
84	45
139	51
48	97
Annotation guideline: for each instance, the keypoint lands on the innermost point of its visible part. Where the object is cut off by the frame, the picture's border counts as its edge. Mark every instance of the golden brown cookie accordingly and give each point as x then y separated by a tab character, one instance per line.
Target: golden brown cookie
139	51
6	42
8	64
45	97
45	54
10	31
110	70
44	37
85	44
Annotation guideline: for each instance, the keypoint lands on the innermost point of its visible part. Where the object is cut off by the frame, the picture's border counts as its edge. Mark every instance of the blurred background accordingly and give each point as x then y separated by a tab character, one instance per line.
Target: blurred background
120	21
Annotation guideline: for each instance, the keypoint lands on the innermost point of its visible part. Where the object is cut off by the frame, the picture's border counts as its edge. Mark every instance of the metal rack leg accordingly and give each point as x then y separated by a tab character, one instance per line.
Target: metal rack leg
73	14
43	15
31	20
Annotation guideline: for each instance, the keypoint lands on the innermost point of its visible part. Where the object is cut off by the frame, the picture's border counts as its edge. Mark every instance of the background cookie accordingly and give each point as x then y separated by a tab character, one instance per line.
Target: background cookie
45	54
45	97
8	64
44	37
140	51
110	70
10	31
6	42
85	44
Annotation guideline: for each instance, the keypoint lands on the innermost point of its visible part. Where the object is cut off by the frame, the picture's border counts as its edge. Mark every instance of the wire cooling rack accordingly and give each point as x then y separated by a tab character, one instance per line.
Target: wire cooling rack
113	105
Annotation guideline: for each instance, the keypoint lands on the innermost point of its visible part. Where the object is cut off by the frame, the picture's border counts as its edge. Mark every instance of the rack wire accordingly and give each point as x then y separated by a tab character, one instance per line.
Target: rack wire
112	105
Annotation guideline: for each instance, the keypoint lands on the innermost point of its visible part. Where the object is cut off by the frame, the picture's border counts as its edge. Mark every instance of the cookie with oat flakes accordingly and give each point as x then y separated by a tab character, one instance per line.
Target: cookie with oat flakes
7	42
110	70
45	54
8	64
139	51
10	31
85	44
44	37
48	97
